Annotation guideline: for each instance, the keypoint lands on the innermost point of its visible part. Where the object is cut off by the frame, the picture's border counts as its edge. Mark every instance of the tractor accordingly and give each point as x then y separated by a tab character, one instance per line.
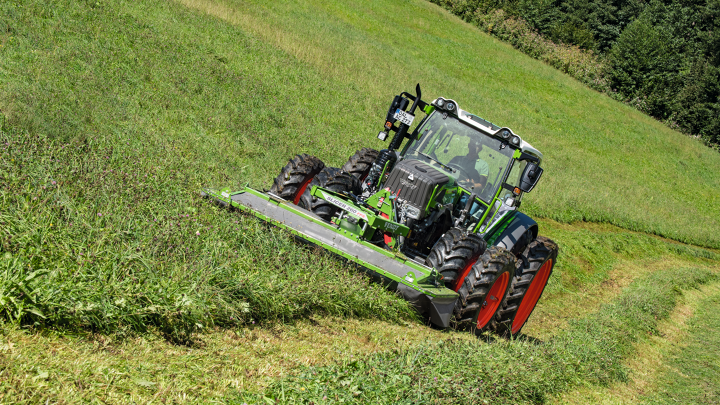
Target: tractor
436	219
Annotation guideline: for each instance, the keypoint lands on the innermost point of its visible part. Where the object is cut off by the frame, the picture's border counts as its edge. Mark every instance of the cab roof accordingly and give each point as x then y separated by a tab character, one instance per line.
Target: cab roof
485	126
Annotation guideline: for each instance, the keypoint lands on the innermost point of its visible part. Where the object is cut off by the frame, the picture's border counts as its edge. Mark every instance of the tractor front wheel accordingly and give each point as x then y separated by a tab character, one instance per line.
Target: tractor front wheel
330	178
534	268
454	254
359	164
294	178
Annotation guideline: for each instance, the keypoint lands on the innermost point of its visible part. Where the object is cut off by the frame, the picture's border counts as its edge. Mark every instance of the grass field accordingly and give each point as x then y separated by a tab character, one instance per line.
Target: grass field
80	366
673	365
114	114
591	350
608	163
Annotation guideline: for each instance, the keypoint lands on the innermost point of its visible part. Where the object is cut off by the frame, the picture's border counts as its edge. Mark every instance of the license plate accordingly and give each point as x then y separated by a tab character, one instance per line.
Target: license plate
404	117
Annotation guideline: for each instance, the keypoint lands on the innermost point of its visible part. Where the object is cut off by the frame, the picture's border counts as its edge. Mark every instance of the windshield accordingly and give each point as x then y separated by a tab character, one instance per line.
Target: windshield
477	161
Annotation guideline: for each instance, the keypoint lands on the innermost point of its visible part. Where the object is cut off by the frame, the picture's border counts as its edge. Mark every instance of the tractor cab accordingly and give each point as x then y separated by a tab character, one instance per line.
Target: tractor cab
484	163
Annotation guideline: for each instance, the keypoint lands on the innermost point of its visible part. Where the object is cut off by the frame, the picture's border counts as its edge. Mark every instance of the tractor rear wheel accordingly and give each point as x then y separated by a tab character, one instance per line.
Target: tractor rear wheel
333	179
483	289
294	178
534	268
359	164
454	254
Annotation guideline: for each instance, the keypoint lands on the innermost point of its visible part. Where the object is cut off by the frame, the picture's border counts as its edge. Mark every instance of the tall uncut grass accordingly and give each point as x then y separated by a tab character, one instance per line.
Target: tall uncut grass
117	117
117	113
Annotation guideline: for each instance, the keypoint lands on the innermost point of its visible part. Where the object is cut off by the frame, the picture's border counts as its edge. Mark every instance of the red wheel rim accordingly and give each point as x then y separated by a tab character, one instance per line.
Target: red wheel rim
465	271
532	296
493	300
296	200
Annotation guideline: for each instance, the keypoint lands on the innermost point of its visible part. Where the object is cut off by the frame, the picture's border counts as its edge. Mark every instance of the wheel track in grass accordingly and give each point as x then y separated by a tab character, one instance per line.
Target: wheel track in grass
555	311
650	359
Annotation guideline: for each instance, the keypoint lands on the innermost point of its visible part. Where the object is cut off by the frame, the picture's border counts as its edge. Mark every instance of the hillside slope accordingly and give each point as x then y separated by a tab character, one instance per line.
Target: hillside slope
115	114
605	162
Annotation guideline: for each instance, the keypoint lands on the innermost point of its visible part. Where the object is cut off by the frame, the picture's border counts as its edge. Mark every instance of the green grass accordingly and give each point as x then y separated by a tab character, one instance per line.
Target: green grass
605	162
110	136
115	114
592	350
692	370
178	266
590	252
247	357
316	77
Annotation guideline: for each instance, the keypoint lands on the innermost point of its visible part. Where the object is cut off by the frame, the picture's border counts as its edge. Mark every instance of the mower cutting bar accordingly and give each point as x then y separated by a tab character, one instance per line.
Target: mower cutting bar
414	281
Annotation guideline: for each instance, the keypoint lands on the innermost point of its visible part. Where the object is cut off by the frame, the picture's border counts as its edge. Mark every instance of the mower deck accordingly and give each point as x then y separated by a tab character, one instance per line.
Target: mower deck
414	281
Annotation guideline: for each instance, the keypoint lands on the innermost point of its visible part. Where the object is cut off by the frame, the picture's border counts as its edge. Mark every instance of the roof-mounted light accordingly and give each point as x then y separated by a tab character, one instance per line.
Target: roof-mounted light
440	102
515	140
505	134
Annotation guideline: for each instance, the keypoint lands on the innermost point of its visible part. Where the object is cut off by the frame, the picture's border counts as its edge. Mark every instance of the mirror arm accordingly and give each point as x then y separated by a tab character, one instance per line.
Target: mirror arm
527	156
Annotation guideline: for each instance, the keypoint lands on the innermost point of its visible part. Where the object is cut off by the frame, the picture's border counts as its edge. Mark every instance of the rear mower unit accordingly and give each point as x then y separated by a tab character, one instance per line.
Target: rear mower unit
436	219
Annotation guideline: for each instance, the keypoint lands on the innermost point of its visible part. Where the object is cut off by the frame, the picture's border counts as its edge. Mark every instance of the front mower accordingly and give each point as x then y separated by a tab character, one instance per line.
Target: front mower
435	219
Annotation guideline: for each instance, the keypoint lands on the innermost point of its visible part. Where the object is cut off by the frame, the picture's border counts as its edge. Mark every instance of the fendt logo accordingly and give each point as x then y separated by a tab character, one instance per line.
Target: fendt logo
389	226
408	184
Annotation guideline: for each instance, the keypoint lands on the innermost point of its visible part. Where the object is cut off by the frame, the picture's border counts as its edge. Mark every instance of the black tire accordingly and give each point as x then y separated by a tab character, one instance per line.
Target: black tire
483	291
359	164
539	252
453	252
295	176
333	179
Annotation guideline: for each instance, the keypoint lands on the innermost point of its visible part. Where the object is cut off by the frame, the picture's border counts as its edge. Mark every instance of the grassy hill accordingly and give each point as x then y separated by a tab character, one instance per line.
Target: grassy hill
115	114
605	161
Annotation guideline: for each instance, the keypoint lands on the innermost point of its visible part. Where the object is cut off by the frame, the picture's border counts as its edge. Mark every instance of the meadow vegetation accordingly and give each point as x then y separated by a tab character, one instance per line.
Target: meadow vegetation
671	366
605	162
102	161
63	365
591	350
113	115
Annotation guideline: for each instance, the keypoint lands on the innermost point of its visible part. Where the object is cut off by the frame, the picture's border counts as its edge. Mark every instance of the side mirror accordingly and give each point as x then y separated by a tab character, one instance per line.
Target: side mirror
530	177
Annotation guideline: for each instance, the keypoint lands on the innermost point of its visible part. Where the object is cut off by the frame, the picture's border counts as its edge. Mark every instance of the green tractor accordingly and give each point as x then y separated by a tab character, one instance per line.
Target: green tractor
436	220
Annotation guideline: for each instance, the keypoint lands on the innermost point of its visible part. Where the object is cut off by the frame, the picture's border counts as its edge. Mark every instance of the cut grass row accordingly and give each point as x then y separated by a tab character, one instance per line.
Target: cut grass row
245	358
691	373
591	350
677	365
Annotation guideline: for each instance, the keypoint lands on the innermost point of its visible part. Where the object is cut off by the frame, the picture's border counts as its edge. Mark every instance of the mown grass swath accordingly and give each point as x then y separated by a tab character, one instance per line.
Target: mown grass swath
591	350
691	373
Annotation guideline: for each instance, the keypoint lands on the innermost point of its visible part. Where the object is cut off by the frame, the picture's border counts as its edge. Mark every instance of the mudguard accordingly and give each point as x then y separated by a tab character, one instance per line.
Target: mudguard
515	231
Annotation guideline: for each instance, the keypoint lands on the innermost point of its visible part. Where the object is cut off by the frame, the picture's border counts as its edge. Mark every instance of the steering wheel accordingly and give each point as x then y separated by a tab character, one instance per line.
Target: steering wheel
461	170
